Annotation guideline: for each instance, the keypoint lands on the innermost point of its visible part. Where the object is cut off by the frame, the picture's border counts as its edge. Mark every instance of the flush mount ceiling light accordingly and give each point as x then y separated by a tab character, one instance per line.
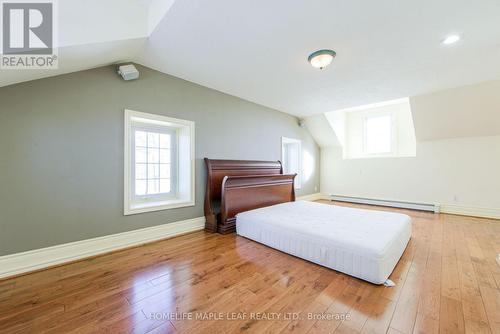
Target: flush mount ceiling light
321	58
451	39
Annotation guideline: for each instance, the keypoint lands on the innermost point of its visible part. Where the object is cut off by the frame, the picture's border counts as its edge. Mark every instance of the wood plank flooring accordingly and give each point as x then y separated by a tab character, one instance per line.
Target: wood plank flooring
447	281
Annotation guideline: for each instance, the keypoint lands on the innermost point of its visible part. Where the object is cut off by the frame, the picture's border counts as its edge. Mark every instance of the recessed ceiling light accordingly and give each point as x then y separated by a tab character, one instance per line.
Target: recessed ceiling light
451	39
321	58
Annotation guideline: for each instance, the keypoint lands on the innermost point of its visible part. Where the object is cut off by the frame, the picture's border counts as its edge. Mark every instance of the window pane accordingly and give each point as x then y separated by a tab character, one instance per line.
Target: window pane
165	156
292	156
165	185
378	134
153	155
164	141
140	138
153	139
140	155
153	171
140	171
165	171
140	187
153	187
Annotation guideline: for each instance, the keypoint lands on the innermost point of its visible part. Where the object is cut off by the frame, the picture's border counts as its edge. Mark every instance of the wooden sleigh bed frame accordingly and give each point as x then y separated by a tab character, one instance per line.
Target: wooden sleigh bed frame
234	186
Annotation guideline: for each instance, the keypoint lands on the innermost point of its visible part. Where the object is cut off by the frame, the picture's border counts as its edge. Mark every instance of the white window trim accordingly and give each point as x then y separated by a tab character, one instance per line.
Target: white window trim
286	140
393	150
129	208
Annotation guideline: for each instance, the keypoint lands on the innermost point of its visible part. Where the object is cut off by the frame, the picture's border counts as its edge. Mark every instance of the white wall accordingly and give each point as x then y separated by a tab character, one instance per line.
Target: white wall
458	172
457	163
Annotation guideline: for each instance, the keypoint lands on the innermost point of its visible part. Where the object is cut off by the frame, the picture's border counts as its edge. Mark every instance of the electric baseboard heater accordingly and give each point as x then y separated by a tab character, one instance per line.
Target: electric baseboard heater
390	203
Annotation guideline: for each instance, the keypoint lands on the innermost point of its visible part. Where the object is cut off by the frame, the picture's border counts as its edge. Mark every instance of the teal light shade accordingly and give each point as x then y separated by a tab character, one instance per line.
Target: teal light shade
321	58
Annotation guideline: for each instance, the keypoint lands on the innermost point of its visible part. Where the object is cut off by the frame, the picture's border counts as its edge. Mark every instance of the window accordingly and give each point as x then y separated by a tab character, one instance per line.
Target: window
159	162
380	130
291	156
154	153
378	134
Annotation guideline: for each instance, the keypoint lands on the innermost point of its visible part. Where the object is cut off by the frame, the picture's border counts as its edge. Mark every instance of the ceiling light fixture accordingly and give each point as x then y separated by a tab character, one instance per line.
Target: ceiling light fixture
451	39
321	58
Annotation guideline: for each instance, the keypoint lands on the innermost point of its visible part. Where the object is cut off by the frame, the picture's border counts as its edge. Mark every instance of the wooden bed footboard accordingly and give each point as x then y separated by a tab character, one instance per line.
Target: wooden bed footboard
243	193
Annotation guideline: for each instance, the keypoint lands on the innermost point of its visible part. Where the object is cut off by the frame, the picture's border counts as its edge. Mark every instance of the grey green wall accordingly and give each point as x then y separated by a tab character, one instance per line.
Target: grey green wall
61	150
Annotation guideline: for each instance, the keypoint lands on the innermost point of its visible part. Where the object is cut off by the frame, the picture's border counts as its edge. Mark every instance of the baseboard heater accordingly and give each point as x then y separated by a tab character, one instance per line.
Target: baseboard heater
395	204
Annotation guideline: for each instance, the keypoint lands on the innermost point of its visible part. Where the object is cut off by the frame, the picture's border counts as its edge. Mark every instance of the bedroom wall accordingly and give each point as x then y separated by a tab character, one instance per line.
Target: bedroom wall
453	172
61	152
458	156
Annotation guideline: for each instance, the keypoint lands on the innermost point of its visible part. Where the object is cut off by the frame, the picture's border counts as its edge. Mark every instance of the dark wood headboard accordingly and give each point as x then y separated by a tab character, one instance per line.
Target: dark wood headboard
234	186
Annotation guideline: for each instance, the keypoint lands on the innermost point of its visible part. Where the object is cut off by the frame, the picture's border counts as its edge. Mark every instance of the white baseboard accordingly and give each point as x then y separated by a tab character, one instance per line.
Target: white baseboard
19	263
470	211
438	208
311	197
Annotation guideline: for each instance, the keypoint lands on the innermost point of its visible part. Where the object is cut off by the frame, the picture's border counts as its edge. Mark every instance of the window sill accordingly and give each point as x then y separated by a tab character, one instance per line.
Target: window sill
157	206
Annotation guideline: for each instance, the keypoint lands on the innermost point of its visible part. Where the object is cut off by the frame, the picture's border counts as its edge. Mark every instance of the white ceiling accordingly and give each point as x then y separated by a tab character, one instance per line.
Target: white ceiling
257	50
94	33
98	21
386	49
470	111
320	128
79	57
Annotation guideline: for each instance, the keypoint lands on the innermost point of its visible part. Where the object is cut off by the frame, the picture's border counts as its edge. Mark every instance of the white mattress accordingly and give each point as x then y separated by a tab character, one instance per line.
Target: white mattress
363	243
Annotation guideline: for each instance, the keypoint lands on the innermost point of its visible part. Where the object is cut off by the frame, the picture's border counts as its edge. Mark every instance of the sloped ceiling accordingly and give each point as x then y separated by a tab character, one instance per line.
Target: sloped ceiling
257	50
469	111
94	33
321	130
79	57
386	49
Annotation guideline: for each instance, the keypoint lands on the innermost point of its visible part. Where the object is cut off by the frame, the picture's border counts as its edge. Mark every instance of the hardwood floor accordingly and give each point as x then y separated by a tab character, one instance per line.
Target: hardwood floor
447	281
